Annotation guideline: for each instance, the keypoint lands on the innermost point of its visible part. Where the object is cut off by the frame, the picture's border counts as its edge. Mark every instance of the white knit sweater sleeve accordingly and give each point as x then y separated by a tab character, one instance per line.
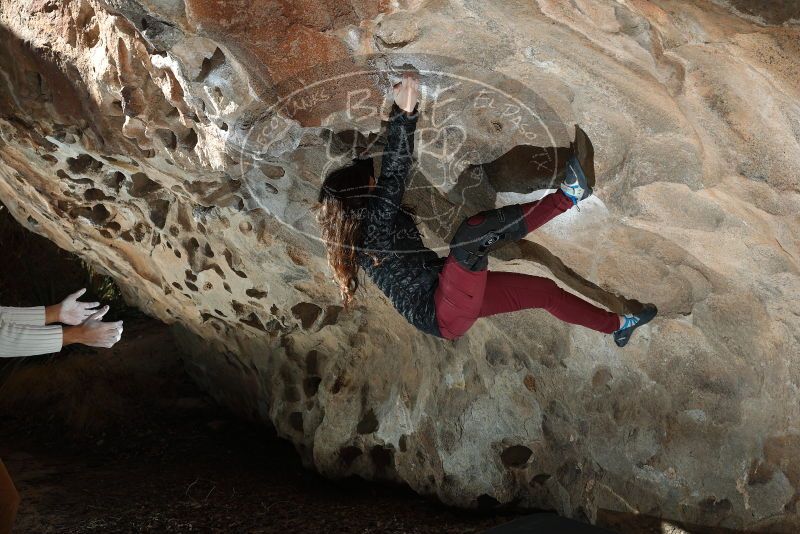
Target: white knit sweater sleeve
23	333
33	316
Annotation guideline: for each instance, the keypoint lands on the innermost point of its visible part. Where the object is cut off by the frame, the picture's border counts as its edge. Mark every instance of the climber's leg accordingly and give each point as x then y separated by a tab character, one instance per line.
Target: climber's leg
483	232
538	212
458	298
507	292
460	292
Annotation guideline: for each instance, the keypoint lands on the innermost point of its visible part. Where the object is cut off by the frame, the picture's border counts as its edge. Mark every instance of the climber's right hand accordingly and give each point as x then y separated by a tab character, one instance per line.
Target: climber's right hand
94	332
406	92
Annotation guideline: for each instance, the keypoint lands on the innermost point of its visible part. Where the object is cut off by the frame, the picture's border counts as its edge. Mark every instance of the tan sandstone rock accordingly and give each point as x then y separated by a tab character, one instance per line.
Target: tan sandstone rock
179	146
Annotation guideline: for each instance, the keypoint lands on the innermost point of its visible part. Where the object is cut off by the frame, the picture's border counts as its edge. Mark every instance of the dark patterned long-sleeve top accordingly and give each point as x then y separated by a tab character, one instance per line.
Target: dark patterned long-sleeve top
409	272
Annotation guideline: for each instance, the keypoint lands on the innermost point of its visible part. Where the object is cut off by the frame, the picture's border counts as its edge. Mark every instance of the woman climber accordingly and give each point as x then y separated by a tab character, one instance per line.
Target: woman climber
363	225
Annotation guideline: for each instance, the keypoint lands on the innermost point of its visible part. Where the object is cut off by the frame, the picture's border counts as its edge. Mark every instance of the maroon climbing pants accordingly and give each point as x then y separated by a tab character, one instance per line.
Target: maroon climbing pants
463	296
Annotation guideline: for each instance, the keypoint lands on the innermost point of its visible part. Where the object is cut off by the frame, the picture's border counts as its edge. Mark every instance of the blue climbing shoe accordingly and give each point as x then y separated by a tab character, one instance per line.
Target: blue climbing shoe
575	186
632	322
579	177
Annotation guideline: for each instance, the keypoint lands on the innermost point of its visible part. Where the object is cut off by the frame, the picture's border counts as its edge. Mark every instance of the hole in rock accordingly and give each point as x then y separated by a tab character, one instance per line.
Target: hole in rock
368	424
83	163
515	456
312	361
486	501
214	267
296	421
168	138
115	180
349	454
539	479
253	321
255	293
97	214
307	312
713	506
141	185
273	172
338	384
331	315
140	231
311	385
192	246
237	307
64	176
94	194
210	64
159	209
382	457
230	259
189	141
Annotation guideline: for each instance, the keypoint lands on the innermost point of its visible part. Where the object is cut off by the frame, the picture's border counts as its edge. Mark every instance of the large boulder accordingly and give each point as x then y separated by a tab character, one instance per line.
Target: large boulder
179	147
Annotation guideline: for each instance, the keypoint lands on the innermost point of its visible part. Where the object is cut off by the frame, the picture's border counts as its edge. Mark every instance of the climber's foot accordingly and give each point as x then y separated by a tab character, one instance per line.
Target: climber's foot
575	186
584	151
632	322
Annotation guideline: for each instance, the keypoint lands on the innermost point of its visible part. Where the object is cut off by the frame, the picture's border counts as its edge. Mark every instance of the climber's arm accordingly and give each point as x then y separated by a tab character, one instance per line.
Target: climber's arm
389	189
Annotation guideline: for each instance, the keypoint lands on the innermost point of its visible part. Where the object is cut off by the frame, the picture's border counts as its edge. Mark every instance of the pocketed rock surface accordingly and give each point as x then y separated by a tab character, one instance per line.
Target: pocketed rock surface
133	133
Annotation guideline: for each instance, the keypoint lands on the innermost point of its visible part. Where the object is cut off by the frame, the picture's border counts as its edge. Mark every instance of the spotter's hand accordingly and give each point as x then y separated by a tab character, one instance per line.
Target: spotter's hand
73	312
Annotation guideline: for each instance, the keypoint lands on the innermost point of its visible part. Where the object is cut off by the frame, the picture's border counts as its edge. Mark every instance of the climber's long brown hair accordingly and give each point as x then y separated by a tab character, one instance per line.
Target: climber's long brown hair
340	213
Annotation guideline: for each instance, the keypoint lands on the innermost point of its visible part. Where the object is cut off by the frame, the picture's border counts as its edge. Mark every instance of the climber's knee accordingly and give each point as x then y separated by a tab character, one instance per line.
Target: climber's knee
485	231
476	219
